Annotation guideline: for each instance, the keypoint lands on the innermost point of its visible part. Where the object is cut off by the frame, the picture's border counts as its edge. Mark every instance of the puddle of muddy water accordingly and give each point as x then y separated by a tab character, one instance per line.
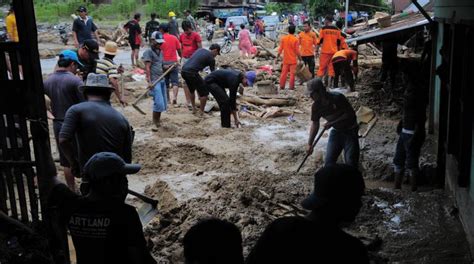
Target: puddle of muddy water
182	186
279	136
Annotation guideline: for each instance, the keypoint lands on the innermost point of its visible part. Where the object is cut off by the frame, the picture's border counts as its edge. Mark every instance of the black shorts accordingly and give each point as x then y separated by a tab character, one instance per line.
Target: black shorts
57	124
134	46
195	82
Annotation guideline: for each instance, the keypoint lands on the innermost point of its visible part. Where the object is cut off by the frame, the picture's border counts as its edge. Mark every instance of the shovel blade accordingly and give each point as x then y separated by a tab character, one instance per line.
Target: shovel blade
146	213
138	109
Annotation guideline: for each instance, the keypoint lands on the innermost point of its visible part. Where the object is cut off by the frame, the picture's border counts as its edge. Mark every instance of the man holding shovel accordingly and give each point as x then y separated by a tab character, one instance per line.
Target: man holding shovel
153	58
107	66
96	125
340	116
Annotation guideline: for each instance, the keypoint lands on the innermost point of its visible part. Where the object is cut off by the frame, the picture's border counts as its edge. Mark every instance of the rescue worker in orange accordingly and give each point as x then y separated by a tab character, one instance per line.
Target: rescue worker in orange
308	42
330	40
341	62
289	46
344	45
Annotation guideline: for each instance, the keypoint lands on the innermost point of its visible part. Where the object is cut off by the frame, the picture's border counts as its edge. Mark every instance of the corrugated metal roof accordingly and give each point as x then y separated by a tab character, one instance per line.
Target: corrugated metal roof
411	23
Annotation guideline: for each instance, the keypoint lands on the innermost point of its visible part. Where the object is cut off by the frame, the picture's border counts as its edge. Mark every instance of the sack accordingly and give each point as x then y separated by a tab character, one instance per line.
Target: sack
303	73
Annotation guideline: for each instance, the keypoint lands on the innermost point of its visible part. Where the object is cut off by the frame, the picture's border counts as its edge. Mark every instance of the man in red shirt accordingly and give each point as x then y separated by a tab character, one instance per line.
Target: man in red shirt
170	49
191	41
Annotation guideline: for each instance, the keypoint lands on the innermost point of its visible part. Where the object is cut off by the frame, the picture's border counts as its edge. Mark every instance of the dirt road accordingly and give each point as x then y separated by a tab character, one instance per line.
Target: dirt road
247	176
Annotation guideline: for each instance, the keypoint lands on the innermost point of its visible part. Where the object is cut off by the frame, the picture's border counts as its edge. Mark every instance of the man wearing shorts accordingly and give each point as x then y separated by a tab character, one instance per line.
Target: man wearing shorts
153	58
134	37
201	59
170	49
190	41
62	87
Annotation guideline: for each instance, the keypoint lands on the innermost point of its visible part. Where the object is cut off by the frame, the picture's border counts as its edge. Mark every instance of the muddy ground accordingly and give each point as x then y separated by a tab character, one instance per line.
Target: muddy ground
247	176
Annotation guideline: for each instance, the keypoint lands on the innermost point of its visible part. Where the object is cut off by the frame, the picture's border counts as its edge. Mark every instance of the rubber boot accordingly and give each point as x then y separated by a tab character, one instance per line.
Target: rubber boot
398	179
412	179
325	80
331	82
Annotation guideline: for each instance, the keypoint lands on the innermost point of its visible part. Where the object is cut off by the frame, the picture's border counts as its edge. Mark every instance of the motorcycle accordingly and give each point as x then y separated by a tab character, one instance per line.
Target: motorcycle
226	47
209	32
62	34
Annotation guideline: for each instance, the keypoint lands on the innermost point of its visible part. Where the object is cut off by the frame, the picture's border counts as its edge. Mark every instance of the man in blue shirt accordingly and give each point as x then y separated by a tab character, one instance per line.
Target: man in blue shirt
83	28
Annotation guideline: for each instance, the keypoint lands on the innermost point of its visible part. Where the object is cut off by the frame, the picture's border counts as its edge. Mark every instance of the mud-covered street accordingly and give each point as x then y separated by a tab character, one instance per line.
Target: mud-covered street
247	176
101	162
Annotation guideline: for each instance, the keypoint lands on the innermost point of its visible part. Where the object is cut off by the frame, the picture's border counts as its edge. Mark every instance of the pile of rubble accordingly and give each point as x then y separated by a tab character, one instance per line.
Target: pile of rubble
118	35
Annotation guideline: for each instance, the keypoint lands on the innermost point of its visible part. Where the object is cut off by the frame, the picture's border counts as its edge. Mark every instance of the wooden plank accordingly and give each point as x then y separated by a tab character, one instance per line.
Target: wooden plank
29	172
14	66
3	66
6	153
14	136
3	190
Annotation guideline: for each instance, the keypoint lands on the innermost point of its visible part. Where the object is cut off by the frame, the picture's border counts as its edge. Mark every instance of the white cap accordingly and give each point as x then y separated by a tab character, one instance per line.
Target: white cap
157	36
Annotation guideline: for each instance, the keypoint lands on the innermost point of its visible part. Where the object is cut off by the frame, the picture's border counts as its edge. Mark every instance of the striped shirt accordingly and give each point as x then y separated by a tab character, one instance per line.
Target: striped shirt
108	67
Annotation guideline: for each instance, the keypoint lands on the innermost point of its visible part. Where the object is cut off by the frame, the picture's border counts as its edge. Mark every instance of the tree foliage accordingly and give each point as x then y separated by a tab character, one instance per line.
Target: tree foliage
368	5
56	10
282	8
323	7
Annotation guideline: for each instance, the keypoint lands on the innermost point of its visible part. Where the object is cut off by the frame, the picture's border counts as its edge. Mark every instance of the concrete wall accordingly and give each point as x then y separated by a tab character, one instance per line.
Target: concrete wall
464	198
456	11
463	9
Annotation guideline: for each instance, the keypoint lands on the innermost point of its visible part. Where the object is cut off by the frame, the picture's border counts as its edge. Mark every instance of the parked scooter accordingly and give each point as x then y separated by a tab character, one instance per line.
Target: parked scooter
209	32
226	47
62	34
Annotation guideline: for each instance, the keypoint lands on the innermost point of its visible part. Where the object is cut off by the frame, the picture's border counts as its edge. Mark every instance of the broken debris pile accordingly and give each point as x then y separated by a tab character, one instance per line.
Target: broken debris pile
251	200
118	35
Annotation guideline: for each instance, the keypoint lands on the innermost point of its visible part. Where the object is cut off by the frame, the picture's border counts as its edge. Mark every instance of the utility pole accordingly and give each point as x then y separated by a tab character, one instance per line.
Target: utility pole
347	14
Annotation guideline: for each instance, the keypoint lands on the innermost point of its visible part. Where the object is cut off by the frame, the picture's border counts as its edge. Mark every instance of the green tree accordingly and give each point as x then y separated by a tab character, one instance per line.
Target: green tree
282	7
323	7
368	5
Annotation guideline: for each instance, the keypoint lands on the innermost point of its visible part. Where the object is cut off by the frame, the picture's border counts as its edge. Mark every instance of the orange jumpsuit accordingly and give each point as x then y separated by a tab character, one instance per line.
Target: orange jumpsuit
307	43
289	46
330	40
341	62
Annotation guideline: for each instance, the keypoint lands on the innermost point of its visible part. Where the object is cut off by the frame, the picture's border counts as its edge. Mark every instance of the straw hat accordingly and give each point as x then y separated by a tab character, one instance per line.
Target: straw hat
110	48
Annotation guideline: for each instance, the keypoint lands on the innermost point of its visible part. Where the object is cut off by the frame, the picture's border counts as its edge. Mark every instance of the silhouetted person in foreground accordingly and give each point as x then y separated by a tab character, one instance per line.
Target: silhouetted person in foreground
104	229
318	238
213	241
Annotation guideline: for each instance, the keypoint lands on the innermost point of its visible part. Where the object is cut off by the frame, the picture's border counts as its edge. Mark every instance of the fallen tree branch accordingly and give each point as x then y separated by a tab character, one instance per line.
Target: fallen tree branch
268	102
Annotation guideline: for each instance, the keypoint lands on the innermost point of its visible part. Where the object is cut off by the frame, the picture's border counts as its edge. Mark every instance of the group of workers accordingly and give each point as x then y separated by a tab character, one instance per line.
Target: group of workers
335	57
95	144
